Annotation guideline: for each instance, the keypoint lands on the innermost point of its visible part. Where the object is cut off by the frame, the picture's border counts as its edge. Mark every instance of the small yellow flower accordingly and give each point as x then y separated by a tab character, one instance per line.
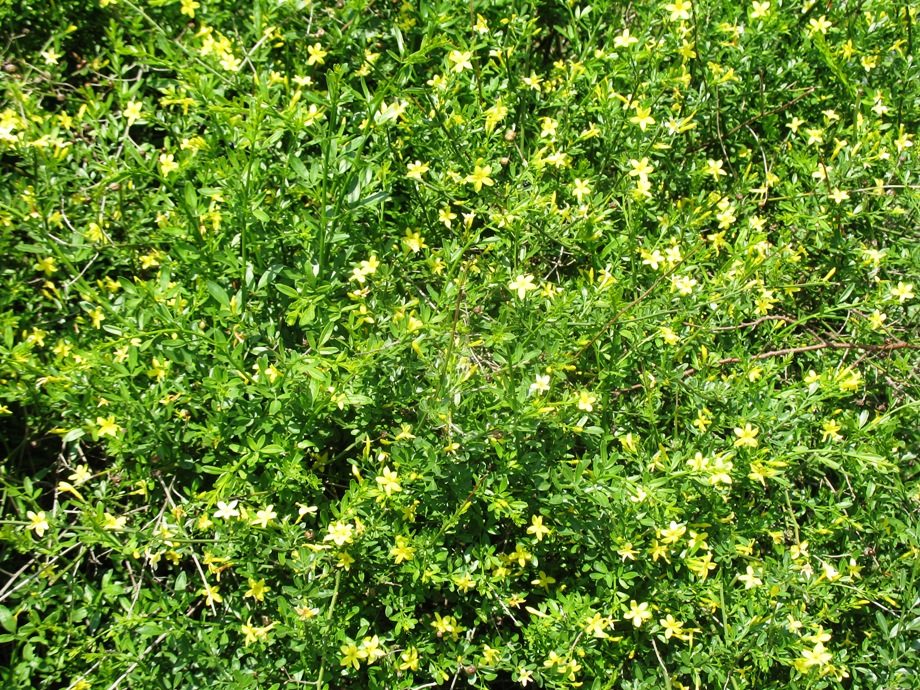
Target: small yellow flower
264	517
586	401
521	285
580	190
414	241
537	528
830	429
352	656
316	54
543	580
113	523
340	533
714	168
189	7
167	164
672	628
417	169
638	613
257	589
817	656
38	522
107	427
80	475
46	265
747	437
760	9
133	111
749	579
480	177
461	61
389	481
903	292
402	551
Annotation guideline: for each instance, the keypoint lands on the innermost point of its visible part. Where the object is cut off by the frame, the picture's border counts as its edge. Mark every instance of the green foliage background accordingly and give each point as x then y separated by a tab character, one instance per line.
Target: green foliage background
382	345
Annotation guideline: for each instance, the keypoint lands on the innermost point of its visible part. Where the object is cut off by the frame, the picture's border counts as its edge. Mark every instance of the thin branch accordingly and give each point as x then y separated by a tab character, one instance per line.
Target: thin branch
779	109
864	347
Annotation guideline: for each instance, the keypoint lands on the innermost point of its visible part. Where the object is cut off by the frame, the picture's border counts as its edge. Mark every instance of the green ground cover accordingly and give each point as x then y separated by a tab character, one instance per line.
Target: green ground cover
399	345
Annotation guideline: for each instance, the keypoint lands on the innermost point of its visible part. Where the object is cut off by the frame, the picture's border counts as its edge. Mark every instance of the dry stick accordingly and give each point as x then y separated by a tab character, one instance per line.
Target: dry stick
780	109
900	345
664	669
137	663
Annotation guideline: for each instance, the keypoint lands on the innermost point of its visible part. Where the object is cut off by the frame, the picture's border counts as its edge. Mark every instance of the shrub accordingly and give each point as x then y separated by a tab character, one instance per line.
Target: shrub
396	346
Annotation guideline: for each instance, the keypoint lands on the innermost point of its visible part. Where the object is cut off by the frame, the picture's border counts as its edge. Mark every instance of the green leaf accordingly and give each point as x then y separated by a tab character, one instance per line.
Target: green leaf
218	293
7	620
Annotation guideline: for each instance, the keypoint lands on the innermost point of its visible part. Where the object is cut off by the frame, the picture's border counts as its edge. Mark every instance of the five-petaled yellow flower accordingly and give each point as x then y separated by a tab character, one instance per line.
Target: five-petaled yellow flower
417	169
537	529
638	613
38	522
521	285
317	54
389	481
747	437
480	177
257	589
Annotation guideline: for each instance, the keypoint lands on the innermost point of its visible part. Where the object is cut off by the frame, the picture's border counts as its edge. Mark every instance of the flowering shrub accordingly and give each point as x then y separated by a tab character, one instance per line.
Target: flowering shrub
380	345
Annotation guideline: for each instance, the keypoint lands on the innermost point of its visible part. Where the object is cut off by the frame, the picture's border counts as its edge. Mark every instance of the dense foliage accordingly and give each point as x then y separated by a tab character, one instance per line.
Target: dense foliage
381	345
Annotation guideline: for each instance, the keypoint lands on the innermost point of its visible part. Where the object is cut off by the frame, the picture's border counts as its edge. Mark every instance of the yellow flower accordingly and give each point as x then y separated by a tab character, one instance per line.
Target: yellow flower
46	265
537	528
38	522
414	241
340	533
107	427
167	164
679	10
402	551
817	656
595	626
211	594
760	9
114	523
133	111
581	189
257	589
417	169
521	285
480	177
672	534
543	580
461	60
643	117
746	436
624	40
819	25
351	655
904	292
264	517
671	627
189	7
638	613
80	475
226	511
389	481
586	401
714	168
317	54
830	429
749	579
409	660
